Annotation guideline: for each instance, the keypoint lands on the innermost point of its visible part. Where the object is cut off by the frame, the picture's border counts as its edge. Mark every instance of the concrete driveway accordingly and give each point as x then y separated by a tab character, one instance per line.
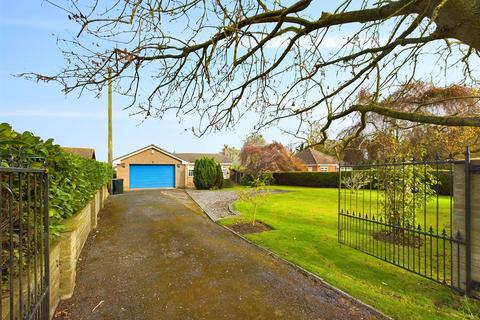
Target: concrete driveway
155	256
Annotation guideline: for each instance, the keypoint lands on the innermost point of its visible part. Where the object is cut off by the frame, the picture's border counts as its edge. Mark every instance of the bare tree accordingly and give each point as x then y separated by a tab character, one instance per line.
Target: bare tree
380	134
303	60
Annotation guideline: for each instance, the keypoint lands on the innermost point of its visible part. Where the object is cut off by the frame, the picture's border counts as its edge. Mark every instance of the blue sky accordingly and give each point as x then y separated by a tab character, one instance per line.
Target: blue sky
28	43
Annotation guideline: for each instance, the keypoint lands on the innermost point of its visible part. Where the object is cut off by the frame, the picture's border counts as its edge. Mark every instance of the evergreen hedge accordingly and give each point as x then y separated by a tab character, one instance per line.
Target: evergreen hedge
330	180
307	179
73	180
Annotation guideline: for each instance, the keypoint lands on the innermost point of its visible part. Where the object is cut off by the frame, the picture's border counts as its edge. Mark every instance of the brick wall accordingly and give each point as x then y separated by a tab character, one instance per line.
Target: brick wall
316	168
147	157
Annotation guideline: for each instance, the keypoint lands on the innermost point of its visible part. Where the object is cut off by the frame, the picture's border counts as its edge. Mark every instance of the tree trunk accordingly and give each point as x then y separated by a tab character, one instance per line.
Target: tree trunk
459	19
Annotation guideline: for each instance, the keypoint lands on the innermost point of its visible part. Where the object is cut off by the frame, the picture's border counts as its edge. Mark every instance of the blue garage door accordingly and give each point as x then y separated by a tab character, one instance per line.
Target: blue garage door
152	176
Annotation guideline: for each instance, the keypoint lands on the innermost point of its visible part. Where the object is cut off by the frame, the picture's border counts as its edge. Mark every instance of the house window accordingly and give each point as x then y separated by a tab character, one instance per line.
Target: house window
324	169
190	172
310	169
225	172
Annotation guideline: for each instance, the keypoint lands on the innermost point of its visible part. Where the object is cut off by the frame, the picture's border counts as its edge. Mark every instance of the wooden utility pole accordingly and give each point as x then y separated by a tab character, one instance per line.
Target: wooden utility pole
110	161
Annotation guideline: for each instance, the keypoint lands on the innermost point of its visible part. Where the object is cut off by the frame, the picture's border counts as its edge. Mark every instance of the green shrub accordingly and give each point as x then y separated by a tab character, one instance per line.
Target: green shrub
219	177
308	179
206	174
73	180
264	179
330	180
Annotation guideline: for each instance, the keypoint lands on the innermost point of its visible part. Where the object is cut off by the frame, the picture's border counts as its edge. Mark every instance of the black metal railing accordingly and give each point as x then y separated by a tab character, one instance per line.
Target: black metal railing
24	261
402	212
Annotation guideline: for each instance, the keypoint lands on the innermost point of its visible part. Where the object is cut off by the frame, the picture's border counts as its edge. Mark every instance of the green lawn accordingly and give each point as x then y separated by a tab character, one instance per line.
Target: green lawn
369	202
305	232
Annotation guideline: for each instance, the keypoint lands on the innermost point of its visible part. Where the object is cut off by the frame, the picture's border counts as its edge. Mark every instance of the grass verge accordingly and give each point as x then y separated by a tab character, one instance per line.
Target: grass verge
305	233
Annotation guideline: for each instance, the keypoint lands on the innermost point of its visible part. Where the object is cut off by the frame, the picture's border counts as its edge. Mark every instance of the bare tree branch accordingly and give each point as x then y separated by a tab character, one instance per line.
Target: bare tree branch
219	60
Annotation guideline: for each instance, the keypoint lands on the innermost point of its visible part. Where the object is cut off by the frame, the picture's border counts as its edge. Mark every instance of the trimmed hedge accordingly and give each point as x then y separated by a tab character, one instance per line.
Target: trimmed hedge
73	180
330	180
307	179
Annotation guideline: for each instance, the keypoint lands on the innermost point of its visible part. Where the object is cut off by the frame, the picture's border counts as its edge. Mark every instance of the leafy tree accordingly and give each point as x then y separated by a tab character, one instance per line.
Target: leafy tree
406	190
356	180
395	136
273	59
380	137
206	174
255	139
259	160
329	146
232	154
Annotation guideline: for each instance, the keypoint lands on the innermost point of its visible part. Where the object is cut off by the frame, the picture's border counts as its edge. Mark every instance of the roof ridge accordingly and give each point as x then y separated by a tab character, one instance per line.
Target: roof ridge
89	148
151	145
317	157
315	154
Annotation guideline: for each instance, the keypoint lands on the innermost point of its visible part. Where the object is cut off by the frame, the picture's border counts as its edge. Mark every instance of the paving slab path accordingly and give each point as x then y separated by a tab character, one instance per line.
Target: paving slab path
154	255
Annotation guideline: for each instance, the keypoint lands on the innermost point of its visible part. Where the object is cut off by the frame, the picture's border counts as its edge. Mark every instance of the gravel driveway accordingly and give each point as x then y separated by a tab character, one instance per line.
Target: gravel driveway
214	203
154	256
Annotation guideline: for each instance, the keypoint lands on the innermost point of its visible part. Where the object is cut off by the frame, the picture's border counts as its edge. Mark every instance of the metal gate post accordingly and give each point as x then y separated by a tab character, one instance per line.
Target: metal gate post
46	242
468	253
339	195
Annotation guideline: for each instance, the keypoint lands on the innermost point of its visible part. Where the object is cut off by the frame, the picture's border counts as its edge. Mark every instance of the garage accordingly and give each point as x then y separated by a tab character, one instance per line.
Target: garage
152	176
154	167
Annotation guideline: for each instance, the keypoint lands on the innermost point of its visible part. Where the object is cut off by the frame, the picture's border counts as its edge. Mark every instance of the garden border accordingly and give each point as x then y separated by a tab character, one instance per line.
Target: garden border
305	272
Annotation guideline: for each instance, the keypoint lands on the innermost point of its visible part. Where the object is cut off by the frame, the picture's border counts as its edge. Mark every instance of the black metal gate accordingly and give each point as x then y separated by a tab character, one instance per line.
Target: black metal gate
402	212
24	262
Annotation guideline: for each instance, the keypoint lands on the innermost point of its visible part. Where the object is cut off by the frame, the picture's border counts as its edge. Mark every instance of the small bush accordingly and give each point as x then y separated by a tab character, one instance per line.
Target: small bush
219	177
207	174
265	179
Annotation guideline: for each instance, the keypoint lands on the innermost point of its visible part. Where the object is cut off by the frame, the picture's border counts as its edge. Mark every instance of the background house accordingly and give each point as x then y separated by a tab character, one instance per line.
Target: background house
190	158
316	161
87	153
154	167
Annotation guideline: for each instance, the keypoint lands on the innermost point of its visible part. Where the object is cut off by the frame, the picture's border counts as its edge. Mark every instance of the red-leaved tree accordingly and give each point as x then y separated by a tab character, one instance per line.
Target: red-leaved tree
260	159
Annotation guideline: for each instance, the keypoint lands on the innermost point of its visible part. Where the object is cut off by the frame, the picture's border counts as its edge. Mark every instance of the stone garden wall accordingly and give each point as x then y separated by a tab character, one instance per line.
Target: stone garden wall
65	251
459	228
